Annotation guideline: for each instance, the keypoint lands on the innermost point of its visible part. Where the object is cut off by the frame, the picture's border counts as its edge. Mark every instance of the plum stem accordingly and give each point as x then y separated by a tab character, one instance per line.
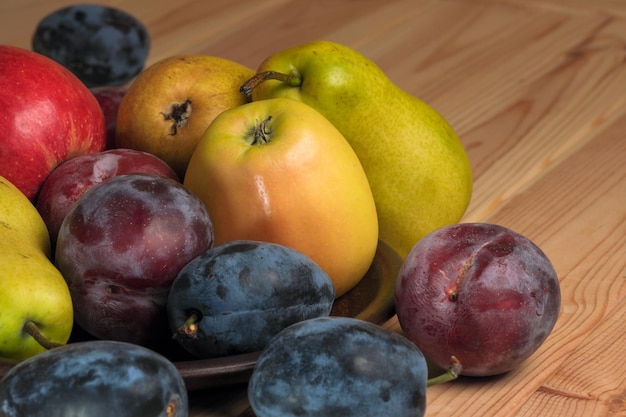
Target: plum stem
453	292
171	409
293	79
451	374
189	328
32	329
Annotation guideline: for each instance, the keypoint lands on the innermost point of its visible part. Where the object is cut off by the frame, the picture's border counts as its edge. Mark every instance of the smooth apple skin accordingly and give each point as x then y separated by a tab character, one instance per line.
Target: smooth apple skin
72	178
48	116
480	292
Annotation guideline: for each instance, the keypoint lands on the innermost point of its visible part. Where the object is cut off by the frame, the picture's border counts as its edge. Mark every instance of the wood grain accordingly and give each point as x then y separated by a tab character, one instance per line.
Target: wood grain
536	90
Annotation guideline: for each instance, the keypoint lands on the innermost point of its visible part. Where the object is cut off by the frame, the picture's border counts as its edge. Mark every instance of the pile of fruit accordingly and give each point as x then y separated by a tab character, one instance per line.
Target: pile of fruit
225	209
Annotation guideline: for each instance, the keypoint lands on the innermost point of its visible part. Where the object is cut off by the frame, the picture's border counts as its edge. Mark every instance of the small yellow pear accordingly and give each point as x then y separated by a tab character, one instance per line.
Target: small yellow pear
19	216
169	105
36	310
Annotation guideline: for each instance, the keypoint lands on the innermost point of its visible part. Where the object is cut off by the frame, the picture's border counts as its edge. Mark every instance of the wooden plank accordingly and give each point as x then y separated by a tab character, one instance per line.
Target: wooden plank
608	7
543	105
592	380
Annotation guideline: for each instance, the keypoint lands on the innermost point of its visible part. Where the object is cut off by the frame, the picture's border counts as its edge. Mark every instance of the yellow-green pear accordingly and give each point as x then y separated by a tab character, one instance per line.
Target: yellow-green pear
36	311
416	165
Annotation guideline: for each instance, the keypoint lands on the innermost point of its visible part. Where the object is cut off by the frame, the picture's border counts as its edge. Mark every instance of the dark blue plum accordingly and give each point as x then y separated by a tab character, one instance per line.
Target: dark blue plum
338	366
95	379
101	45
242	293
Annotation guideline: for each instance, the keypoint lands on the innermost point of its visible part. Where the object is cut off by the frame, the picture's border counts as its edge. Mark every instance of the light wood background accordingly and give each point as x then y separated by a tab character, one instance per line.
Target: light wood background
536	91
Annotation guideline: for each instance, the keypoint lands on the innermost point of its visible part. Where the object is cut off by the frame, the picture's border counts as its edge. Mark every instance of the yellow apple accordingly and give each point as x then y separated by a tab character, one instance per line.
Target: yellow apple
278	171
169	105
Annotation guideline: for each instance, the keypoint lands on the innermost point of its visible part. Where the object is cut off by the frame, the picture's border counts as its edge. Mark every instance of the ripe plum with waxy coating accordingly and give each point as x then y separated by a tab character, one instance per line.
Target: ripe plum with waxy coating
339	366
101	45
479	292
120	248
243	293
95	379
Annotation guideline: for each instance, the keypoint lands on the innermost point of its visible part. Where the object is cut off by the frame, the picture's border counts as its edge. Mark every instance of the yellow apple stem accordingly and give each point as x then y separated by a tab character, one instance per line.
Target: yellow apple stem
293	79
451	374
32	329
189	328
262	132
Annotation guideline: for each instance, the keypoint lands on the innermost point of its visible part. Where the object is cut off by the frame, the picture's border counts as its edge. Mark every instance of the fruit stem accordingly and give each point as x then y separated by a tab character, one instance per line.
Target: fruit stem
32	329
179	114
189	328
261	132
293	79
453	292
451	374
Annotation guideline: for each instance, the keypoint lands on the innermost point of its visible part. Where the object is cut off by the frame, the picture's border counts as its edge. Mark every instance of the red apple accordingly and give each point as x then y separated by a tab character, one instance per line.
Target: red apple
109	98
479	292
68	181
48	116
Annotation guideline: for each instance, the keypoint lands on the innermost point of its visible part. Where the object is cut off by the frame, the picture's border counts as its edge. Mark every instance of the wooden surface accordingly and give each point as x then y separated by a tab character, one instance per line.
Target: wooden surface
536	91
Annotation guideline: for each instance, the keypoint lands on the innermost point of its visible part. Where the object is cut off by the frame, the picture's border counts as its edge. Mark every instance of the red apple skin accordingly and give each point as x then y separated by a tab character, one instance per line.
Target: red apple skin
109	98
120	248
48	116
69	180
480	292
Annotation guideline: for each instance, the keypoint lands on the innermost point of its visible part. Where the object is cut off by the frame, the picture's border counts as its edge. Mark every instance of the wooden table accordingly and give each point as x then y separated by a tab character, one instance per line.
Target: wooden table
537	93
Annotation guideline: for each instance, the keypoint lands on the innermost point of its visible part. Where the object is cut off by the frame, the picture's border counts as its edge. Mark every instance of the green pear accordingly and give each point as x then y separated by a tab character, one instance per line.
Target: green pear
36	311
417	168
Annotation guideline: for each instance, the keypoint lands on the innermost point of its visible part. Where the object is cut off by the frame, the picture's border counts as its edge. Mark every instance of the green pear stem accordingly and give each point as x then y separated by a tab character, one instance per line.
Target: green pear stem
32	329
293	79
189	328
451	374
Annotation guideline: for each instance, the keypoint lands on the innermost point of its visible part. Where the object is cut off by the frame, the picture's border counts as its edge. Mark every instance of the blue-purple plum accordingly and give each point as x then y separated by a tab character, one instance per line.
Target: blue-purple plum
101	45
338	366
94	379
242	293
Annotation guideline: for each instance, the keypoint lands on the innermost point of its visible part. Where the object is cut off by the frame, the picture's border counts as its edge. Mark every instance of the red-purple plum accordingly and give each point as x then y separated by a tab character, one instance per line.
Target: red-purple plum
69	180
120	248
109	99
479	292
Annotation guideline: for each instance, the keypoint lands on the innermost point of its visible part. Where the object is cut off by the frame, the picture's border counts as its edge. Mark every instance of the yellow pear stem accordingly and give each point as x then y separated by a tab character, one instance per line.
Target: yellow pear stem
451	374
32	329
293	79
189	328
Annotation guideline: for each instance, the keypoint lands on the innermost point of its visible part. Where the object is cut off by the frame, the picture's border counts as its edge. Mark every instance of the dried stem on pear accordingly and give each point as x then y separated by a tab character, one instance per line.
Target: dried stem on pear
32	330
292	79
